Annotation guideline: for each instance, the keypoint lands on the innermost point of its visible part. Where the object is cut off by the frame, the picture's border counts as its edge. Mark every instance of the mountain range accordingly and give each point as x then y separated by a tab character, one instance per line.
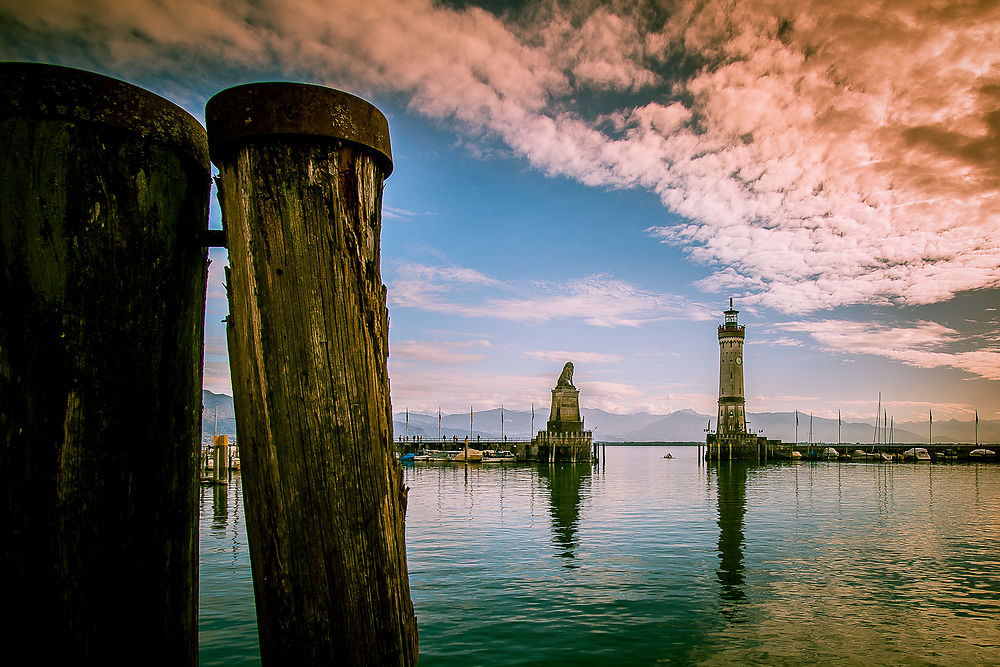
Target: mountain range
680	426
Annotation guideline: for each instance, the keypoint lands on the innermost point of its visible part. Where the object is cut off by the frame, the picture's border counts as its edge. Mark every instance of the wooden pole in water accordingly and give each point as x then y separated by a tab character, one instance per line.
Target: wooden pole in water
103	211
221	469
301	171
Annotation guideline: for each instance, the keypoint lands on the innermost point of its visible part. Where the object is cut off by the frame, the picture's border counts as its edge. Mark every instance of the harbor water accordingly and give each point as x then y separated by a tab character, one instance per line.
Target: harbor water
645	560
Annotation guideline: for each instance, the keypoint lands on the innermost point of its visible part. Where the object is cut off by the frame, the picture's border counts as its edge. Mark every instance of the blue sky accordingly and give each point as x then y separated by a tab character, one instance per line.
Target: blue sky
591	182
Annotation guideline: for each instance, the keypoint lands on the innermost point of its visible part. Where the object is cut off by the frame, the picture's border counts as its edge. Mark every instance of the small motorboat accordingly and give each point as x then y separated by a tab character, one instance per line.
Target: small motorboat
982	453
668	455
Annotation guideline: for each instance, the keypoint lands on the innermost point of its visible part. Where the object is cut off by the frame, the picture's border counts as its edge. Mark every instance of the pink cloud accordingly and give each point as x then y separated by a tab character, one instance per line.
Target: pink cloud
844	155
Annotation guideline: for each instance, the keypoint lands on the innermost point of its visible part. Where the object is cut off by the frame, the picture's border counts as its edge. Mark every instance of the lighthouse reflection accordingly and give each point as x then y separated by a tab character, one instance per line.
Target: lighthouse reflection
569	484
731	478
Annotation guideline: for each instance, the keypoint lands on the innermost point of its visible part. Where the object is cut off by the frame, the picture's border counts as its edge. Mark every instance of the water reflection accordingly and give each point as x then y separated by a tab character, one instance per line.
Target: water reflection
731	479
220	506
568	484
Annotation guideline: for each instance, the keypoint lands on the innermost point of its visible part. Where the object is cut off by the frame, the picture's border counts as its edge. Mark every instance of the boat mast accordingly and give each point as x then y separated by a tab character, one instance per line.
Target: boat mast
810	431
878	416
215	432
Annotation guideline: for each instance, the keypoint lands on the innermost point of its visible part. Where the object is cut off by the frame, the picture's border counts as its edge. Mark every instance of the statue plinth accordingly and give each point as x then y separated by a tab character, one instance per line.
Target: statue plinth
565	414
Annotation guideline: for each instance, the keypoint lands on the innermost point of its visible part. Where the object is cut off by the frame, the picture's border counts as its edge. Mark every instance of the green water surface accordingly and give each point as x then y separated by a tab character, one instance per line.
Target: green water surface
642	560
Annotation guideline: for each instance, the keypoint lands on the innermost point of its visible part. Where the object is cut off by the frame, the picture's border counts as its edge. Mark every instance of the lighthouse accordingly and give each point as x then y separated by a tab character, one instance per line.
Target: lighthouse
732	423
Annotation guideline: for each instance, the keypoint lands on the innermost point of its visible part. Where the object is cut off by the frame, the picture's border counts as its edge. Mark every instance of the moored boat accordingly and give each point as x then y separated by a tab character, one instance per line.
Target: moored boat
871	457
982	453
500	456
469	455
917	454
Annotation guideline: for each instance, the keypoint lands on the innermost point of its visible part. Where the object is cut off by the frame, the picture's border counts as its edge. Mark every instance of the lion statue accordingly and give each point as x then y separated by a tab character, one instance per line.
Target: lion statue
566	377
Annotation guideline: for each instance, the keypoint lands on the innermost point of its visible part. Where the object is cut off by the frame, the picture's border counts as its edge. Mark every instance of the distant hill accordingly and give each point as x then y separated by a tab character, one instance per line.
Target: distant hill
685	425
227	415
680	426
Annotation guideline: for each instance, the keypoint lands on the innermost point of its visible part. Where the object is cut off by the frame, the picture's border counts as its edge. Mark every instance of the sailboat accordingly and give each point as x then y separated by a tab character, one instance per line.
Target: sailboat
874	456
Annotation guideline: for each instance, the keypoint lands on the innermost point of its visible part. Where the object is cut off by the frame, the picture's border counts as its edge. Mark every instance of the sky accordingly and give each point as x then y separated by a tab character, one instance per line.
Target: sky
593	181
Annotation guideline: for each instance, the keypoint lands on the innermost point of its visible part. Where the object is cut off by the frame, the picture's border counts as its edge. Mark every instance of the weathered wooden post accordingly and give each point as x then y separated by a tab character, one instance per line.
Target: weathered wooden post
301	172
103	199
221	445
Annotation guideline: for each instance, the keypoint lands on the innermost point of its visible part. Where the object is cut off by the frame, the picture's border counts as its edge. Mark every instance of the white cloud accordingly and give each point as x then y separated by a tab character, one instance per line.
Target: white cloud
923	345
560	356
595	300
396	213
437	352
424	389
216	377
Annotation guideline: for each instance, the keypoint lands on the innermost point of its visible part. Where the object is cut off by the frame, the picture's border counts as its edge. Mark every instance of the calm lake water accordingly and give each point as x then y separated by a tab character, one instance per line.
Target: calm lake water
644	560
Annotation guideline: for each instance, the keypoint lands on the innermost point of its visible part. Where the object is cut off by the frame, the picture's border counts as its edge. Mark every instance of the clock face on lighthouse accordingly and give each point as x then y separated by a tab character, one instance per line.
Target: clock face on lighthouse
739	361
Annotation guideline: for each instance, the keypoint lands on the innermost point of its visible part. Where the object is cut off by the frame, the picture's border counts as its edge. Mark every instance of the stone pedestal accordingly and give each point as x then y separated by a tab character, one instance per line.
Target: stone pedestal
565	414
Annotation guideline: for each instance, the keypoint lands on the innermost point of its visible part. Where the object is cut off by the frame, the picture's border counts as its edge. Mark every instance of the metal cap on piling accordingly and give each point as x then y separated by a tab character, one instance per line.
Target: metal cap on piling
36	90
256	110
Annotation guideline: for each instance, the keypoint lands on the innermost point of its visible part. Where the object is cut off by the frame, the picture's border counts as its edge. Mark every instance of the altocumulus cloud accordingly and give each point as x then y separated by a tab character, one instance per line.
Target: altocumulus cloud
829	154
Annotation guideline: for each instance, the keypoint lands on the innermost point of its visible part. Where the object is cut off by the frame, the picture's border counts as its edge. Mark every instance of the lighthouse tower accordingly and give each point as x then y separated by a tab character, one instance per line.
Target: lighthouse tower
732	415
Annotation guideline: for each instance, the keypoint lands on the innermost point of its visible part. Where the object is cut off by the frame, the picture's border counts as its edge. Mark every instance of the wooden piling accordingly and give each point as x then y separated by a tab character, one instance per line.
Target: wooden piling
301	172
221	458
103	203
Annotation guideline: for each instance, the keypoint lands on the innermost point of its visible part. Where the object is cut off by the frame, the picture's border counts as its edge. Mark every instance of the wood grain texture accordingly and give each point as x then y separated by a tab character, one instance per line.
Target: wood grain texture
308	341
102	302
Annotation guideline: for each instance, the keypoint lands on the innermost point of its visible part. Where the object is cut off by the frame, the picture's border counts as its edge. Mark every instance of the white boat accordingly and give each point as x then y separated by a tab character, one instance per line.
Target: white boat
916	453
829	453
796	455
874	457
502	456
982	453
